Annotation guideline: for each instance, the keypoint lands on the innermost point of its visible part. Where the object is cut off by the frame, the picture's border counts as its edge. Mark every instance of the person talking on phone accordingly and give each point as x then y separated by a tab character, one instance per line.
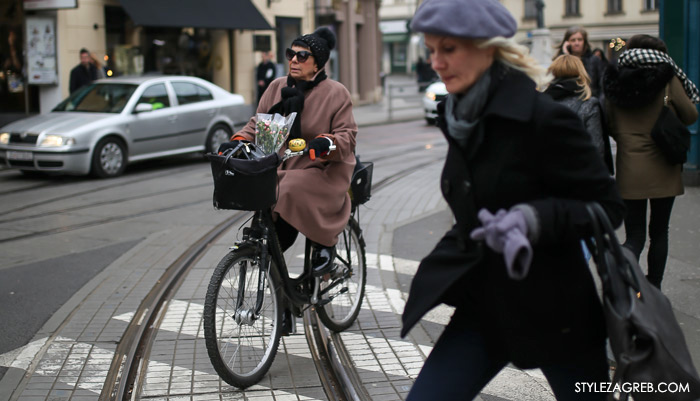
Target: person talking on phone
575	42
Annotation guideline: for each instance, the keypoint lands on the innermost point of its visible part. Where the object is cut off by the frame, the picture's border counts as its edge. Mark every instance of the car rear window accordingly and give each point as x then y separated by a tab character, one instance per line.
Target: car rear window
190	93
98	98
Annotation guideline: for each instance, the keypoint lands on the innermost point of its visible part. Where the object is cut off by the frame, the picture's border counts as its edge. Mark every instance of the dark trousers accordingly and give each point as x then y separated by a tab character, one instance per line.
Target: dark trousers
463	362
635	229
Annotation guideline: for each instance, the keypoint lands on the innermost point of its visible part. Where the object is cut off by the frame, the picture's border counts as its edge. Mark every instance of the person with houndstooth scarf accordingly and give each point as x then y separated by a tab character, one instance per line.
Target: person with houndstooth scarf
635	90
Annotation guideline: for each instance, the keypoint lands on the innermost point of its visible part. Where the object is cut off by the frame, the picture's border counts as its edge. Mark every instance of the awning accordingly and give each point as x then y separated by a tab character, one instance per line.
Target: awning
214	14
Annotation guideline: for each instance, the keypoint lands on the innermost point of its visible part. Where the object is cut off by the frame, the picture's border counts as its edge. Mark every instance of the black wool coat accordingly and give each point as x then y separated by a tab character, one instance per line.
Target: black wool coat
529	150
81	76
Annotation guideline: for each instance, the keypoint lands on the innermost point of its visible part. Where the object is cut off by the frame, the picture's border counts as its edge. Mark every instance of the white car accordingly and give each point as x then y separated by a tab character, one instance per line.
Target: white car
433	95
105	125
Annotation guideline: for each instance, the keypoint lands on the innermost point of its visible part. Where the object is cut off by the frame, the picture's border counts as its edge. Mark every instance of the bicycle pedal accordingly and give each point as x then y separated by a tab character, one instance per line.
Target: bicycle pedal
330	299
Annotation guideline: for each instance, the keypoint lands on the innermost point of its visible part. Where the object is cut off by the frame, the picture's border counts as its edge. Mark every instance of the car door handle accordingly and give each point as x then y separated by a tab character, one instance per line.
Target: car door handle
172	118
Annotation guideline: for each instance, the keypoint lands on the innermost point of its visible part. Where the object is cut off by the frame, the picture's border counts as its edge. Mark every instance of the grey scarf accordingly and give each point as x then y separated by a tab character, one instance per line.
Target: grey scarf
463	111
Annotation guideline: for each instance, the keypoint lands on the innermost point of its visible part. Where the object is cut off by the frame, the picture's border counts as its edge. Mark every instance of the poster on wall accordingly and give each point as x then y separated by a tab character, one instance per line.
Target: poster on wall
49	4
41	50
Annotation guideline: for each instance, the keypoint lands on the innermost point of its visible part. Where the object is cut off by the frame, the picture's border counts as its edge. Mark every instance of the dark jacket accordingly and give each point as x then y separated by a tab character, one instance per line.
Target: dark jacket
635	98
531	150
595	67
566	91
266	73
80	76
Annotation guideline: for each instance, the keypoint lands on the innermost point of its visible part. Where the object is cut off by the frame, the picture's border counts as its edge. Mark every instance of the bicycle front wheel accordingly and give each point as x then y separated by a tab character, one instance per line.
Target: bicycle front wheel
241	343
341	295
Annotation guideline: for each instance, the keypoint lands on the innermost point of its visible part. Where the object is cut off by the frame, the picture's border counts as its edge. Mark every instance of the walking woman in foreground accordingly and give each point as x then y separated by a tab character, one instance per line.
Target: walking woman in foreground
635	91
519	171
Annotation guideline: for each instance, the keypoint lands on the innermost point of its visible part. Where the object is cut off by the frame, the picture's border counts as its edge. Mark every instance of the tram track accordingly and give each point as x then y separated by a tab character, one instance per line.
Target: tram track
109	184
340	381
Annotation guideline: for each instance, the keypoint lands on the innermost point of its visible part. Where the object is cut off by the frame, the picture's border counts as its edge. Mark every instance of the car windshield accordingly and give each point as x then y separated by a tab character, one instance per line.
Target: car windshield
98	98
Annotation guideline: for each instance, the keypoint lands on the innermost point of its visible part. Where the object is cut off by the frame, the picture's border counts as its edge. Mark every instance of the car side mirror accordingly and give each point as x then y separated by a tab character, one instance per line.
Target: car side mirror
142	107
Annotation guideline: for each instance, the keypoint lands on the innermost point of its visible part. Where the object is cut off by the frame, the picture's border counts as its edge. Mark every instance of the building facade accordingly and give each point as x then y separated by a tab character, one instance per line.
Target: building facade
218	40
604	21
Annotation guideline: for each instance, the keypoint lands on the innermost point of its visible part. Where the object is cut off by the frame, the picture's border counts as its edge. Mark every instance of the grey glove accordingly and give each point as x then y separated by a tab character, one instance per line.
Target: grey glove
506	233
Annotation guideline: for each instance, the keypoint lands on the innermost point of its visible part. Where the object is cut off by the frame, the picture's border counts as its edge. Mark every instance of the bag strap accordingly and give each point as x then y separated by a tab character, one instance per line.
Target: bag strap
605	238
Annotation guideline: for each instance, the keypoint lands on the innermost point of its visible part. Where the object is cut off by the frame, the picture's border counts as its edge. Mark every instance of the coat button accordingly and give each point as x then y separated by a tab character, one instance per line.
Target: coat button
467	186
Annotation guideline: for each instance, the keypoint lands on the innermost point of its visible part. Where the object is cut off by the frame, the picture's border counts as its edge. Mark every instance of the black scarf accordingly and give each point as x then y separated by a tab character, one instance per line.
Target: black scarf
293	100
561	88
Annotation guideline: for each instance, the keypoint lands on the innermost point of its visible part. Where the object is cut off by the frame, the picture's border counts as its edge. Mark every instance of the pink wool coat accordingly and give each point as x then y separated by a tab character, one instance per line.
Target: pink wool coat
313	195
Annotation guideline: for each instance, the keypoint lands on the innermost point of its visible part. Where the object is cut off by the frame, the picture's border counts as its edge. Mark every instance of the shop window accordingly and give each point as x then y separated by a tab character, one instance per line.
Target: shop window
157	96
190	93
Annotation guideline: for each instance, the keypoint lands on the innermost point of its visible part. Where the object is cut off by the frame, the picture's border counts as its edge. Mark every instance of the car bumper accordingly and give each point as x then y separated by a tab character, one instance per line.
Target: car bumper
66	161
430	108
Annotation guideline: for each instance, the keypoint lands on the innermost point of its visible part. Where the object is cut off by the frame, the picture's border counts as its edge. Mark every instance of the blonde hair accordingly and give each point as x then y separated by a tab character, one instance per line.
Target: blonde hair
516	56
568	66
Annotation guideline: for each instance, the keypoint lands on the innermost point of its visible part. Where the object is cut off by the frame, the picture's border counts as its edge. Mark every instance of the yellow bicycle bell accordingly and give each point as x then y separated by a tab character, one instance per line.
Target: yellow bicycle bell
295	145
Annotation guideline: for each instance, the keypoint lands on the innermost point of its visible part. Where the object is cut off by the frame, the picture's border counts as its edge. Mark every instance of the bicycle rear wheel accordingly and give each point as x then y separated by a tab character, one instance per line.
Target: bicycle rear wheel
343	293
241	346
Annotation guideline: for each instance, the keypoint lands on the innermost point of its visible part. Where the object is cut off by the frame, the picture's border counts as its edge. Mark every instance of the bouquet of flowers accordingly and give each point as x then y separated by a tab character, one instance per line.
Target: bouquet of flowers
271	131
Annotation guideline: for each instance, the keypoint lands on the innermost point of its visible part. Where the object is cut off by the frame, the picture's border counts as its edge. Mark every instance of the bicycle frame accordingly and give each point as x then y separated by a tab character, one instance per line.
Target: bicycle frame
296	290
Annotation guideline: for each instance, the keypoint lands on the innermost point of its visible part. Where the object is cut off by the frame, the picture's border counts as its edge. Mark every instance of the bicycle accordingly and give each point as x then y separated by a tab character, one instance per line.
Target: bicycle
250	290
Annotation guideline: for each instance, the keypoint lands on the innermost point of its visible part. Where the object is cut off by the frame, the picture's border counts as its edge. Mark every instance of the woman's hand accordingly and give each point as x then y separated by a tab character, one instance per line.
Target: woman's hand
321	145
566	48
506	233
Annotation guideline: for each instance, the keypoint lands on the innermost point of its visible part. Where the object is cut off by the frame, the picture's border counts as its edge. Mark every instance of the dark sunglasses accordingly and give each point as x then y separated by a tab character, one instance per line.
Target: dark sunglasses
301	55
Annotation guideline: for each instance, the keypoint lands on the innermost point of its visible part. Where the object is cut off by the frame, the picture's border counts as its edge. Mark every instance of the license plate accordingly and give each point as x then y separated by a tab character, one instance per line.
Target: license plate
14	155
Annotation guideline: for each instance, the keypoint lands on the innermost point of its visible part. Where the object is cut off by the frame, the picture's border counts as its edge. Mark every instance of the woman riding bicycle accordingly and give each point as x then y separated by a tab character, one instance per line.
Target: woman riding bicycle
313	197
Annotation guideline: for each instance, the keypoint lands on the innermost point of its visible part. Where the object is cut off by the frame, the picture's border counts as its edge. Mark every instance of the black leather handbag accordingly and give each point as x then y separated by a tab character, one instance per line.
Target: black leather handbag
671	135
646	340
244	178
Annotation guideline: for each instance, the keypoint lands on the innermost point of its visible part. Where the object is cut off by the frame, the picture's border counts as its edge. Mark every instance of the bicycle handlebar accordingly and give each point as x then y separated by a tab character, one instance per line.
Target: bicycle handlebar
288	154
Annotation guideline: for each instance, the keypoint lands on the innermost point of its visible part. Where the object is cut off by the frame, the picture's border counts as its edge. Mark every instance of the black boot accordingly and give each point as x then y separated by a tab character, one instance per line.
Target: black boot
322	260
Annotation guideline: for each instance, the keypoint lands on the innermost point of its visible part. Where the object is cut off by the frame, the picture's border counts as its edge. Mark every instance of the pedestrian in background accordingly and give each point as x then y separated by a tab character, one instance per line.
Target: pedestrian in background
571	87
265	73
575	42
84	73
519	171
600	53
634	90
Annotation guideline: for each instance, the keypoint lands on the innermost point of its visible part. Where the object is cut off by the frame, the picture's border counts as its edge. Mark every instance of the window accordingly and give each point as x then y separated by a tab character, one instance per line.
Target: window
614	6
157	96
651	5
190	93
530	9
571	7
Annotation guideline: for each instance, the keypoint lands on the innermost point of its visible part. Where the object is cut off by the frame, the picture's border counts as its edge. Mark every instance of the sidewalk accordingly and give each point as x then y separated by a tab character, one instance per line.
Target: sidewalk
69	358
406	103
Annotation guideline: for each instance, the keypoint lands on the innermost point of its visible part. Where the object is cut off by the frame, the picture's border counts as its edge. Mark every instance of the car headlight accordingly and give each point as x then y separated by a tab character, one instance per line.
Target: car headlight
4	138
430	95
56	140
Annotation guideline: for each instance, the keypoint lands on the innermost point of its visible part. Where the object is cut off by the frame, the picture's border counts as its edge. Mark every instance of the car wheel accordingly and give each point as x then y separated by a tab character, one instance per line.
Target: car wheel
109	158
218	134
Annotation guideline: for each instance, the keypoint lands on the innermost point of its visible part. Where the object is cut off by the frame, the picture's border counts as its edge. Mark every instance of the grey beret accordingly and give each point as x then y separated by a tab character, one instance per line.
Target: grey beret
471	19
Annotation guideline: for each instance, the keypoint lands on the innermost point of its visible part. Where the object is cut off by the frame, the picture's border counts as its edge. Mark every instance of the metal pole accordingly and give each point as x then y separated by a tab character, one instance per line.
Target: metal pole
390	90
